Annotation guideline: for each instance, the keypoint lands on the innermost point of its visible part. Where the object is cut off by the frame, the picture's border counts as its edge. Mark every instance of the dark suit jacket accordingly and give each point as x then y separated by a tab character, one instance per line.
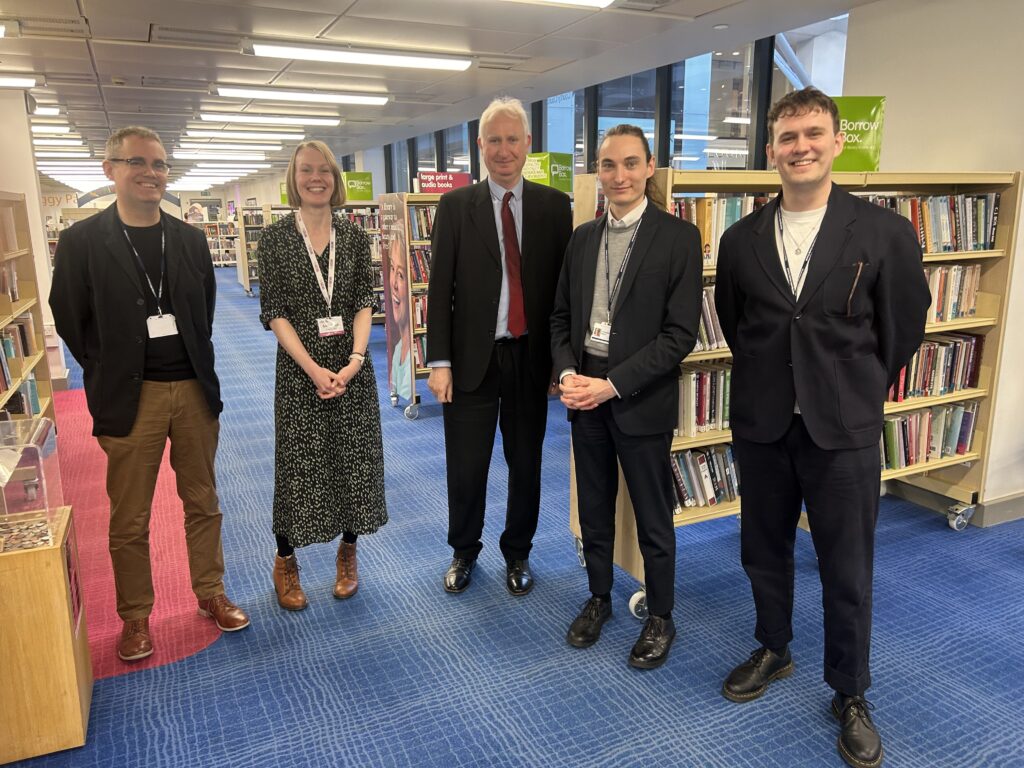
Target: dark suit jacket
100	312
860	316
465	278
655	319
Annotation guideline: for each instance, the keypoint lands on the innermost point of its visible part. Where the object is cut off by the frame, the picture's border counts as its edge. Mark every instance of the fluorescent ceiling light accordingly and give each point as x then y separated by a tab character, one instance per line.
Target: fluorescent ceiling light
254	135
245	117
348	56
46	111
693	137
46	128
10	81
219	156
723	151
238	166
737	120
687	158
68	163
278	94
56	142
65	153
577	3
231	147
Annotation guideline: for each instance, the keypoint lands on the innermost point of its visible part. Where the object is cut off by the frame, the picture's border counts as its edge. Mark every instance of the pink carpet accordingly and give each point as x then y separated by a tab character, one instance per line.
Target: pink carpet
177	630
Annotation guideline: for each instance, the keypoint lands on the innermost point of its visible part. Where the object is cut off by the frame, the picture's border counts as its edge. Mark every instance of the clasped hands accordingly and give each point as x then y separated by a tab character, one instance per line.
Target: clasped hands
584	393
330	384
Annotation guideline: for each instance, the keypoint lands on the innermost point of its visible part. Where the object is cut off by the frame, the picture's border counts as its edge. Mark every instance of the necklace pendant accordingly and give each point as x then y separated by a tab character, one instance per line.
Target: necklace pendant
798	251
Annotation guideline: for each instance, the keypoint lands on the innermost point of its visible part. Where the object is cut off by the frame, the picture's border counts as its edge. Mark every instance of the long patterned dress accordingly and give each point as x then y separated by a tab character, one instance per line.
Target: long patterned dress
329	459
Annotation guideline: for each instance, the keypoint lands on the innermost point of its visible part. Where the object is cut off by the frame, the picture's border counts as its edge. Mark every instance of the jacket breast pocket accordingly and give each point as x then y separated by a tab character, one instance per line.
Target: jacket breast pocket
847	289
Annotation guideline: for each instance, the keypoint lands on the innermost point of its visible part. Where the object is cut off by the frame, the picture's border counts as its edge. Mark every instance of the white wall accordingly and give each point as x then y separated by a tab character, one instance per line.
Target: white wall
372	160
954	102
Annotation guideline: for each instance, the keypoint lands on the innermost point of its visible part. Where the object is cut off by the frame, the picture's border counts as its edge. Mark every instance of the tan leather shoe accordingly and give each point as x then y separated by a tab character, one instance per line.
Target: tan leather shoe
286	583
135	642
229	617
348	571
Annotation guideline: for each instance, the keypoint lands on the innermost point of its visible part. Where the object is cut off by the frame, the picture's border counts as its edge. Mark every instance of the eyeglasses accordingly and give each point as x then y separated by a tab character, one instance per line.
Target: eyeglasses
138	163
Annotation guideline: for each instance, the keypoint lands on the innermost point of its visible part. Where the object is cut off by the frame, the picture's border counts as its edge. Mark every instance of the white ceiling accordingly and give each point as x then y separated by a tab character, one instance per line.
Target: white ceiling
110	63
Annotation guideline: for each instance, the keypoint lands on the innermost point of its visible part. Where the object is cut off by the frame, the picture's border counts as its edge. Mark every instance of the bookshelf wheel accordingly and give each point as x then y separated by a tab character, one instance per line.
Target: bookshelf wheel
412	411
394	399
579	553
959	516
638	604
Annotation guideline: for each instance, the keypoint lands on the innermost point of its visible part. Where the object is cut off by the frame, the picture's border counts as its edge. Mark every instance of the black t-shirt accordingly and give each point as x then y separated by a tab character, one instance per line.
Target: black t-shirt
166	357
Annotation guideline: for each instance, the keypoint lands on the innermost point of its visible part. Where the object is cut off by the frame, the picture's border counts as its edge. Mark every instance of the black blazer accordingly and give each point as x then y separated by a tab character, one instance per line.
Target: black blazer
860	316
655	319
99	309
465	278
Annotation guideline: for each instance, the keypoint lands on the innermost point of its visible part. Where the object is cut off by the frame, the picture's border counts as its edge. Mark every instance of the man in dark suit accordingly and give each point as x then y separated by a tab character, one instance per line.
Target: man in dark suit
132	297
497	248
822	299
626	314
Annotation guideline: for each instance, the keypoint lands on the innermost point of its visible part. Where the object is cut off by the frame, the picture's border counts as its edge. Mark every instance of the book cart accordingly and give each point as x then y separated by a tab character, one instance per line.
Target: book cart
937	422
366	215
406	220
253	220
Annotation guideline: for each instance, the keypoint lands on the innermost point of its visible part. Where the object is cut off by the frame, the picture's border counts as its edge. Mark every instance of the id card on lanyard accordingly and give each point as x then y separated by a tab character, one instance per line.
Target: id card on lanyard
160	324
329	325
602	331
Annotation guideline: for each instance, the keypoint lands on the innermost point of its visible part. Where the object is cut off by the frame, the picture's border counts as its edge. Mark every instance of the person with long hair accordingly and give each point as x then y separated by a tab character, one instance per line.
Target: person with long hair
316	295
399	331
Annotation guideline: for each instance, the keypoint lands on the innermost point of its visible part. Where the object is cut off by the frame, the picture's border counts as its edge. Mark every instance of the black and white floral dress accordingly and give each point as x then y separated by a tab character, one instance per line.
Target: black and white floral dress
329	460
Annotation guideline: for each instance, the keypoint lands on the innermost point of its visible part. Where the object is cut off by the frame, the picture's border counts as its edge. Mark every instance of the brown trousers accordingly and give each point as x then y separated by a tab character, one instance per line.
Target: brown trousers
175	410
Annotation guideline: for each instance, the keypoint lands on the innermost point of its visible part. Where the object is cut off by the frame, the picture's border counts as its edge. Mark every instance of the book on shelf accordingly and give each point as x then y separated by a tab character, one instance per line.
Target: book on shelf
954	290
713	214
419	263
927	435
947	223
421	220
419	310
704	477
363	218
709	334
943	363
419	350
703	398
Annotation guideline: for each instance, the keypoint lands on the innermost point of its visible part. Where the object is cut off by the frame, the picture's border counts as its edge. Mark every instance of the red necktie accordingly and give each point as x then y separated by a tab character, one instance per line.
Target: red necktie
516	313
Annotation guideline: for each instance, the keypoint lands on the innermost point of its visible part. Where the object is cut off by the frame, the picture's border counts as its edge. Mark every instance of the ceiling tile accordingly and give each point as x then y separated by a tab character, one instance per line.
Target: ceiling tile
428	35
503	17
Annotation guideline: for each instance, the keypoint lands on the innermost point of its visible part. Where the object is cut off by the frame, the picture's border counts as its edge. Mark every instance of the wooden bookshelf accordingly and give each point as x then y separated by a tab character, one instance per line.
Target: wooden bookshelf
253	220
366	215
29	391
958	478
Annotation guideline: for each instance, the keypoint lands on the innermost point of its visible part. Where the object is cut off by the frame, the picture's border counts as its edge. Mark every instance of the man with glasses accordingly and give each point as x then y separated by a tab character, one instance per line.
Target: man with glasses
132	297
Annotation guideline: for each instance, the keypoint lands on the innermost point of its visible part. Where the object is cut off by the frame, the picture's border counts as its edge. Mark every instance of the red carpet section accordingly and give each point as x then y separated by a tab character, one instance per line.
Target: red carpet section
177	630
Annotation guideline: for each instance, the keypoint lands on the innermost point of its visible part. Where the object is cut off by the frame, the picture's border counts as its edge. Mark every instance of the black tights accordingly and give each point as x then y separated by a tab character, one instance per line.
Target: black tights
285	549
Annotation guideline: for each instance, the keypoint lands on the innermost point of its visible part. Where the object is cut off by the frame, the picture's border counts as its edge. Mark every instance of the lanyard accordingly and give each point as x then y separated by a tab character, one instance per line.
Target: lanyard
158	292
613	291
326	289
785	256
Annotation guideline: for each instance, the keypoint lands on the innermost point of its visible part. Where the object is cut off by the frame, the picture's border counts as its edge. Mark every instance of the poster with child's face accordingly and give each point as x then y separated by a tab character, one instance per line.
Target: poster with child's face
398	325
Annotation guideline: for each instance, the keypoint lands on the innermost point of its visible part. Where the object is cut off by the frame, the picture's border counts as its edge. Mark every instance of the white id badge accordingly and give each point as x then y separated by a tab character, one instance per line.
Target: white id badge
602	333
330	326
161	325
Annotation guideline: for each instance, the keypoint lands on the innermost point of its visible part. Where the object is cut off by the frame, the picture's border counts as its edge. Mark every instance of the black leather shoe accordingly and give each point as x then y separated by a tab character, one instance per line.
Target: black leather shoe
458	575
652	648
518	579
859	743
586	627
750	679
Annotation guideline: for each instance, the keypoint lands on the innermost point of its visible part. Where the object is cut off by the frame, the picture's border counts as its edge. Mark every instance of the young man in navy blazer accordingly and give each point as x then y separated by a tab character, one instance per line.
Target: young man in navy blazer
626	314
822	298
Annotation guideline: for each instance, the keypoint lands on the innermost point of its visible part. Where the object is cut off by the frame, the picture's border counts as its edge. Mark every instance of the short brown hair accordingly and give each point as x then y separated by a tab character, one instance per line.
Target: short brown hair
801	102
625	129
117	138
338	196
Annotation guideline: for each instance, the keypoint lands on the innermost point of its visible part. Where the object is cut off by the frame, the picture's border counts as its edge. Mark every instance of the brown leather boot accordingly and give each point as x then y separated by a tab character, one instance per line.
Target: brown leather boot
135	642
286	583
348	571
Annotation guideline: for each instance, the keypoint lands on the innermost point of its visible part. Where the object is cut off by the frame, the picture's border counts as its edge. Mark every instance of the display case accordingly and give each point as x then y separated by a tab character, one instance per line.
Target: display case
30	485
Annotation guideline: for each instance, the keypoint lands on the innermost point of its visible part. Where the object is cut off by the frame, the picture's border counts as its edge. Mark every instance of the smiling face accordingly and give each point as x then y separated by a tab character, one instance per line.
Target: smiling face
139	189
623	172
314	179
504	144
802	149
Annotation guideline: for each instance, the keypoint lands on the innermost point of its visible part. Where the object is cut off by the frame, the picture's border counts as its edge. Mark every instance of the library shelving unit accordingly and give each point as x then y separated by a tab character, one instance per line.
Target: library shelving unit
26	389
406	220
366	215
68	216
957	480
223	239
253	219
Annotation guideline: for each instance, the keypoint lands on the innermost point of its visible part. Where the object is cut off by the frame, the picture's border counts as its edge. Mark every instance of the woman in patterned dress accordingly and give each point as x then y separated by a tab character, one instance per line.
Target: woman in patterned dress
316	294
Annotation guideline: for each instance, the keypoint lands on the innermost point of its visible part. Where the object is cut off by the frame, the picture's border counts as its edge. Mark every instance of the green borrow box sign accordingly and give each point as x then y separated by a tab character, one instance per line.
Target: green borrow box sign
358	185
860	118
553	169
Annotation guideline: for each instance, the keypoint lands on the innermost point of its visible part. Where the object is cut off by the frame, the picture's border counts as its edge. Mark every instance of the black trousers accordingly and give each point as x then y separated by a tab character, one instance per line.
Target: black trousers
597	445
840	490
509	397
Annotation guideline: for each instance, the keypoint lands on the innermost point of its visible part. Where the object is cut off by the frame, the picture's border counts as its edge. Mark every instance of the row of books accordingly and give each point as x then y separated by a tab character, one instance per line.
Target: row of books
419	310
9	280
713	215
927	435
703	398
365	219
942	364
419	350
252	219
709	335
25	401
419	264
219	228
421	221
705	477
954	289
948	222
218	244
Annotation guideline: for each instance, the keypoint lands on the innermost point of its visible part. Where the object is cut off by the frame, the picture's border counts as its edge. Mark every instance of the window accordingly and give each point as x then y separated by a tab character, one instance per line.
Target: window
400	166
563	126
426	153
456	149
812	55
629	99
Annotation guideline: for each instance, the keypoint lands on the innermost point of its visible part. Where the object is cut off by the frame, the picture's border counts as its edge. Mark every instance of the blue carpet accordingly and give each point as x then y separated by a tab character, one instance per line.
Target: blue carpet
406	675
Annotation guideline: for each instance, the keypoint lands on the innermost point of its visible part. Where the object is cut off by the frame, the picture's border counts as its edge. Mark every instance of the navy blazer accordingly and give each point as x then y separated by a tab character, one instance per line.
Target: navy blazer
99	310
836	350
655	319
